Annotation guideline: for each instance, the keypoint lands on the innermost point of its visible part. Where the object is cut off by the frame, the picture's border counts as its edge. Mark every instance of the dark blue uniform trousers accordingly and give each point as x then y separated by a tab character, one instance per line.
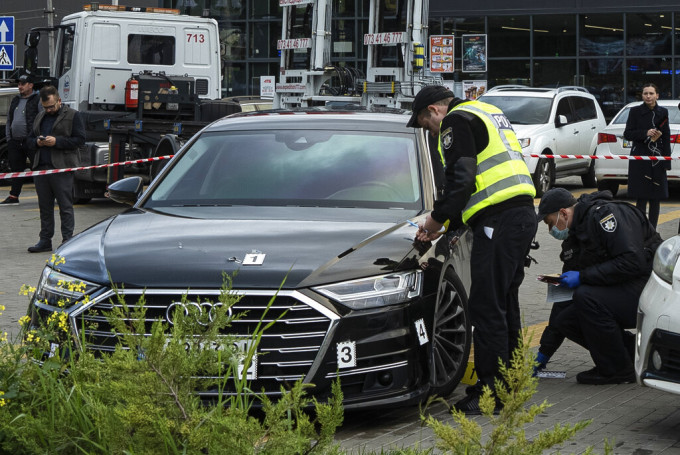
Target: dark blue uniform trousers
597	320
497	269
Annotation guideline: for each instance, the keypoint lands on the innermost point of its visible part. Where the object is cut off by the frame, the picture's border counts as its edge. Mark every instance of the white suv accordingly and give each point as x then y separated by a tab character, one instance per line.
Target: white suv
552	121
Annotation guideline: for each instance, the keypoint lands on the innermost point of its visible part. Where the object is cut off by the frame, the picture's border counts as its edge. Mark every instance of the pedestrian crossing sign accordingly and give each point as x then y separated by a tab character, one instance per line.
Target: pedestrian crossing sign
6	57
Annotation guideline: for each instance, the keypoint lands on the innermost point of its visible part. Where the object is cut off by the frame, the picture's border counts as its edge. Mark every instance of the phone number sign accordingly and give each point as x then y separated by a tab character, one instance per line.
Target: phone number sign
385	38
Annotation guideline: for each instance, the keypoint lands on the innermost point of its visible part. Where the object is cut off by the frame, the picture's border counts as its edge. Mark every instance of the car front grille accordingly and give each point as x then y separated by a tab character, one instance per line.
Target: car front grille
287	350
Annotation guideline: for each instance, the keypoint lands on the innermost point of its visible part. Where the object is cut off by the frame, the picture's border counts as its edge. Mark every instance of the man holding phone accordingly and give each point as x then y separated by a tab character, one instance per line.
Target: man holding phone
58	133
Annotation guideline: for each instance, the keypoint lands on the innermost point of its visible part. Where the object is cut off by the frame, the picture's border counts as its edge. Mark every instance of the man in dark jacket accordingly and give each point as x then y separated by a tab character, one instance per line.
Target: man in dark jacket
58	133
613	244
22	112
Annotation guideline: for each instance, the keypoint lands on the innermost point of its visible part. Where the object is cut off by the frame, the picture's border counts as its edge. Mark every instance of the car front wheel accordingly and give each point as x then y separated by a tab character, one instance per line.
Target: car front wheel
544	176
452	335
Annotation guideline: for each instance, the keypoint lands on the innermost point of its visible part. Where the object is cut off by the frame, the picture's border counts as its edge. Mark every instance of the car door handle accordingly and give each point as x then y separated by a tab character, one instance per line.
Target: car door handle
575	131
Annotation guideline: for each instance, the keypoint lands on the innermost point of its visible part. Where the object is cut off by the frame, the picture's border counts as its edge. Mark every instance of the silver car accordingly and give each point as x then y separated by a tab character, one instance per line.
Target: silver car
611	173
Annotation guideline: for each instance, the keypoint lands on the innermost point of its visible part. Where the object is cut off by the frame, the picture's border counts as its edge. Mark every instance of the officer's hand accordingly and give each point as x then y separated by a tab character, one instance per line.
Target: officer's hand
570	279
430	230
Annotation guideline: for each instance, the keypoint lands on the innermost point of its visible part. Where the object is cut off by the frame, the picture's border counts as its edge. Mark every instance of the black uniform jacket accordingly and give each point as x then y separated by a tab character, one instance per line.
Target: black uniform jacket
612	241
463	136
647	179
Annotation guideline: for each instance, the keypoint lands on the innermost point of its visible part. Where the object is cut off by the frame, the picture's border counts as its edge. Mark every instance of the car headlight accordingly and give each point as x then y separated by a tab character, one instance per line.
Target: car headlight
376	291
524	142
666	257
58	289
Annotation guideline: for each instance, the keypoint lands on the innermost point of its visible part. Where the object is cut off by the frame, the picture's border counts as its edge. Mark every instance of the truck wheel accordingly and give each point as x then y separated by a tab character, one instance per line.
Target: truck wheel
452	336
544	176
4	162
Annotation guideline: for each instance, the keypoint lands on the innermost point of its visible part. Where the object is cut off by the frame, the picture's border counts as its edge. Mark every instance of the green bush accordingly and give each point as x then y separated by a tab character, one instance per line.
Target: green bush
141	398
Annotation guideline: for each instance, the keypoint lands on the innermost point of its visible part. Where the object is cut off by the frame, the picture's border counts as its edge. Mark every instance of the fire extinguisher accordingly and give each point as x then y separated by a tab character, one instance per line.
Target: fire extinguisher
132	93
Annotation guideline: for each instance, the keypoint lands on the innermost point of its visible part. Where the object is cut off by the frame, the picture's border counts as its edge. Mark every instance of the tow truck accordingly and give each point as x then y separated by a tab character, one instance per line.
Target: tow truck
147	79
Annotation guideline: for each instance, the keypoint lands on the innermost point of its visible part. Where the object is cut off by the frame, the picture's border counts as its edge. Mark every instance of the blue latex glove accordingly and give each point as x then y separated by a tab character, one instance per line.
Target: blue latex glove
570	279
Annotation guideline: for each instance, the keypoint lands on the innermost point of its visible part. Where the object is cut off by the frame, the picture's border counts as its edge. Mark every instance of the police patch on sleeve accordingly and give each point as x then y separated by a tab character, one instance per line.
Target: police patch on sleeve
608	223
447	138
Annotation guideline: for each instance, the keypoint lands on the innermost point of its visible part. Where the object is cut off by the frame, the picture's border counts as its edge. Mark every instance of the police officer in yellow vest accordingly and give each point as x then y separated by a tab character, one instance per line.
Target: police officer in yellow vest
489	188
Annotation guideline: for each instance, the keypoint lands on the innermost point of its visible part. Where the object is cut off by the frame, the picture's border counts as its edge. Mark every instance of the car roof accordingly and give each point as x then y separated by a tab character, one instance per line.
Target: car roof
663	103
316	118
537	92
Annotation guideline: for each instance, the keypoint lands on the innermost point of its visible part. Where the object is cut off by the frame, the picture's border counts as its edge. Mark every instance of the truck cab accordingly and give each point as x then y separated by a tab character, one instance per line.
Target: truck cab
98	52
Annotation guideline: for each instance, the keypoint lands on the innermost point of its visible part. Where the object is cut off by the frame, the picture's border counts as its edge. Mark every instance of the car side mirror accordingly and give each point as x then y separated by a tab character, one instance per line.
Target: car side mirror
561	120
126	191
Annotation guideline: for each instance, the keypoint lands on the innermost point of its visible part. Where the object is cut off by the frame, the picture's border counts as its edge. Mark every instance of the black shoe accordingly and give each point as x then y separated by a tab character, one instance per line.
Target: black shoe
593	377
470	405
9	200
40	247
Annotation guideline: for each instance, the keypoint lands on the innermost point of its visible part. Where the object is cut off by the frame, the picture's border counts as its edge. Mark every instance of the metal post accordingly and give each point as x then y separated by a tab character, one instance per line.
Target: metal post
50	23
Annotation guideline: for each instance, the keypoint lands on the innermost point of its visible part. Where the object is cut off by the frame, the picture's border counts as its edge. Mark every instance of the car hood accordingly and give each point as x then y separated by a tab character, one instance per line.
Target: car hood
522	131
149	249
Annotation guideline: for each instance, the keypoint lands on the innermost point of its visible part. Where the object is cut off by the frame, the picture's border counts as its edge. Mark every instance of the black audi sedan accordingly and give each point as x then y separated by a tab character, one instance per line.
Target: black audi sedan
325	202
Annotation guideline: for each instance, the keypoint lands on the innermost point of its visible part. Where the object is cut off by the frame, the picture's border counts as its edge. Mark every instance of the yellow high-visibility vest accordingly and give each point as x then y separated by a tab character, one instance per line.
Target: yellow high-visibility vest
501	171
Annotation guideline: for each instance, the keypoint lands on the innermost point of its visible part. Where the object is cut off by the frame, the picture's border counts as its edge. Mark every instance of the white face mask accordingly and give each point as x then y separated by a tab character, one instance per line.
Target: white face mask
559	234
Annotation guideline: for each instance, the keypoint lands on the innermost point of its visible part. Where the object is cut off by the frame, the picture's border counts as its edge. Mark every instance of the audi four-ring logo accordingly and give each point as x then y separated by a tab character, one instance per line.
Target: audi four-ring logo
199	309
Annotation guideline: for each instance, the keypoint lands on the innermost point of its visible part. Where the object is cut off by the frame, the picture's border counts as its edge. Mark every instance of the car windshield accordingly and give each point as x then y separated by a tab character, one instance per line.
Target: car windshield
673	115
522	110
294	168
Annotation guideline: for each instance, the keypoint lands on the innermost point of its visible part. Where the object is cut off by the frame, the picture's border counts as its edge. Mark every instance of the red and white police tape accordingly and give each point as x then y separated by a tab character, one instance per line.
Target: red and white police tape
9	175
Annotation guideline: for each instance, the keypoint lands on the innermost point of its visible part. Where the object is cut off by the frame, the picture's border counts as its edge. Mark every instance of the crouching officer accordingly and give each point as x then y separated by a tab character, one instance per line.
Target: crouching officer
614	243
488	187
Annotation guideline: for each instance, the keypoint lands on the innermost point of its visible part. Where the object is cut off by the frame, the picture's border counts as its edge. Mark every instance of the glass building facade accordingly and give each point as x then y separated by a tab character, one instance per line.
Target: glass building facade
611	53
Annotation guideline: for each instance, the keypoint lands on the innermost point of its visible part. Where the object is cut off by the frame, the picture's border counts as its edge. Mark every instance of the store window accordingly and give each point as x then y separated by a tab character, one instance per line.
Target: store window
603	77
648	34
232	40
553	72
509	36
640	71
264	37
344	40
555	35
462	26
601	34
228	9
503	72
265	9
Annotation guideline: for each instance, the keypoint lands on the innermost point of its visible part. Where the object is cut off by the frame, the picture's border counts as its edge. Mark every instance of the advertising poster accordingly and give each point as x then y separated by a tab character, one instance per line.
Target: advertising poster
474	53
441	54
473	89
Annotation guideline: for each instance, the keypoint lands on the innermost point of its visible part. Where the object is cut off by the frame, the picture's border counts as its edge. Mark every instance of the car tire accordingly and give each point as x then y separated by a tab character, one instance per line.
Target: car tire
608	185
452	336
588	179
544	176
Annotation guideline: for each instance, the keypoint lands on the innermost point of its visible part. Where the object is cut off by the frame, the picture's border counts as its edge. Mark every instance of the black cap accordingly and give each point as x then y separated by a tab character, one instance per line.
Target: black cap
426	96
26	77
553	200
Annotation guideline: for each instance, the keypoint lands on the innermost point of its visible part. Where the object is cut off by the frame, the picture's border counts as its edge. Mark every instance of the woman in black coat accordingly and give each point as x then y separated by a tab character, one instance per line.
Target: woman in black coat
648	128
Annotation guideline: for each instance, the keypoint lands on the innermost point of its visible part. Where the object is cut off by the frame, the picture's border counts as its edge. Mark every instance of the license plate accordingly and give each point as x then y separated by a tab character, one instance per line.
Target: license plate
243	346
240	348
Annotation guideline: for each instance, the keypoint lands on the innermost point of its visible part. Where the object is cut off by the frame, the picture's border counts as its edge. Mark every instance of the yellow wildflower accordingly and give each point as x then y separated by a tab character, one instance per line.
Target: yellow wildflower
26	289
24	320
3	401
